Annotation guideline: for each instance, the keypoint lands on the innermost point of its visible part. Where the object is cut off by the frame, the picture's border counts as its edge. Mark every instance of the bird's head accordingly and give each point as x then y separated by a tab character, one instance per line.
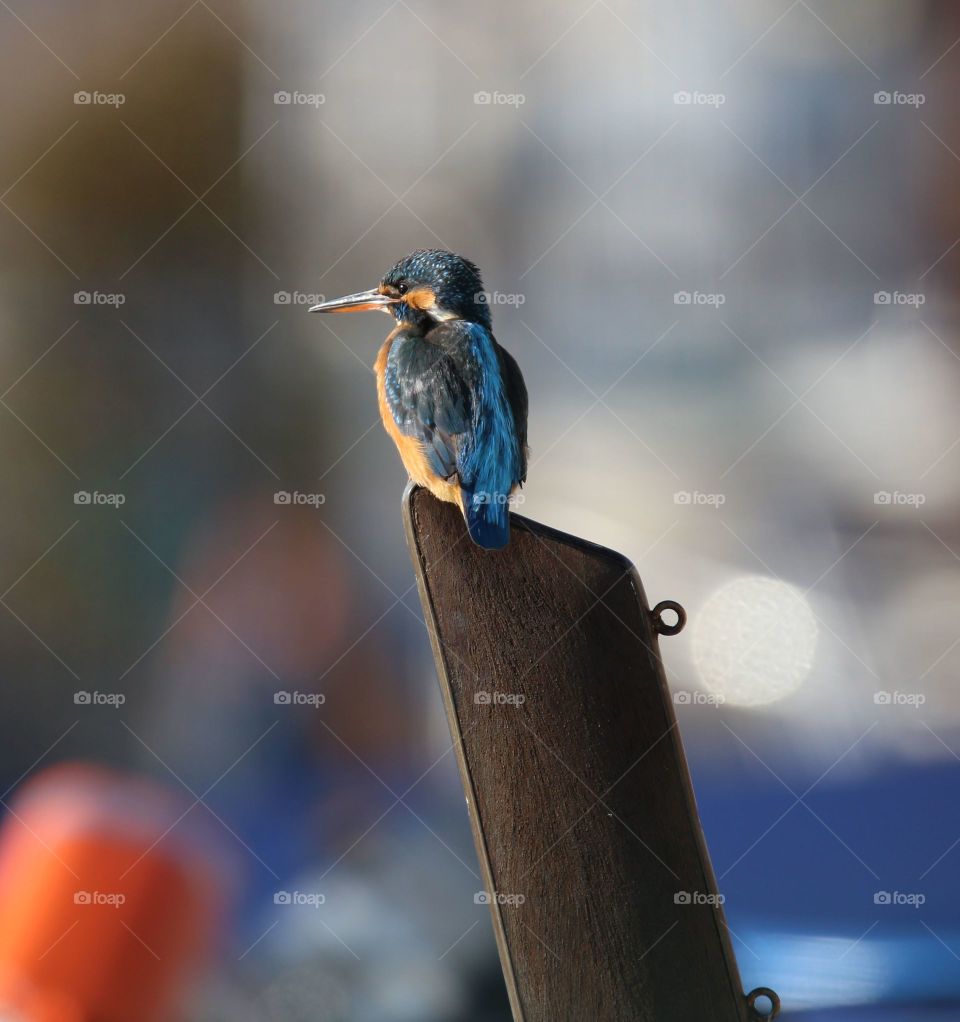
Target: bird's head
425	288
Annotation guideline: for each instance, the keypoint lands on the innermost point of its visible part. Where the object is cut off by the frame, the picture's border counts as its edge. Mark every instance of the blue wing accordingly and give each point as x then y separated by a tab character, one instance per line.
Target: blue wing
462	396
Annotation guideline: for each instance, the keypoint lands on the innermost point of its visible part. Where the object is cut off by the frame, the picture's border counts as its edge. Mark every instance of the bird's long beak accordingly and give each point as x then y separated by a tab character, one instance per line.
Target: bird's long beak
362	301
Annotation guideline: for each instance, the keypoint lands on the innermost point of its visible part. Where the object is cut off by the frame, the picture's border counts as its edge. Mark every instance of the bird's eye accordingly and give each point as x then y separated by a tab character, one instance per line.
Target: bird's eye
402	287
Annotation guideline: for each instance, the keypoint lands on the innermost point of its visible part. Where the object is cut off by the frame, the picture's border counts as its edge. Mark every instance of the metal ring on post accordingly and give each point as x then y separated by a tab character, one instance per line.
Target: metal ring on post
660	626
755	1012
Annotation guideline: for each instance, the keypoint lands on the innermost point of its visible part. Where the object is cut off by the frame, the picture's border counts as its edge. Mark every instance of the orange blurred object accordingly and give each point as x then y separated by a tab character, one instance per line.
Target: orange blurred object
109	899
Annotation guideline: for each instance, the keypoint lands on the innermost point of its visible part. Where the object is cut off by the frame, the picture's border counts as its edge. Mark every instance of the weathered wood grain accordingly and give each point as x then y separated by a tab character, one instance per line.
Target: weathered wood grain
578	790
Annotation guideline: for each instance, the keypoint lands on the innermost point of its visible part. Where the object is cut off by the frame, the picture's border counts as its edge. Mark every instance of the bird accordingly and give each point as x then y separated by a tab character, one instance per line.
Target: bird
451	398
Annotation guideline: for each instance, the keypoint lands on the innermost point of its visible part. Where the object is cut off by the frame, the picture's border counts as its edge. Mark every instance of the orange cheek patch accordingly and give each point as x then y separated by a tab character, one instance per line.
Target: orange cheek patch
421	298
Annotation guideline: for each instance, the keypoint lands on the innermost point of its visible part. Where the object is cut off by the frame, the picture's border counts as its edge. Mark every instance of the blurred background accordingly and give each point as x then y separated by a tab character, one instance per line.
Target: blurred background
721	240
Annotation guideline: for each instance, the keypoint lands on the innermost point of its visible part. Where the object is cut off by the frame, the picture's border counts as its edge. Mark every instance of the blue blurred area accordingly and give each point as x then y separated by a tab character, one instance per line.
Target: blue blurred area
813	920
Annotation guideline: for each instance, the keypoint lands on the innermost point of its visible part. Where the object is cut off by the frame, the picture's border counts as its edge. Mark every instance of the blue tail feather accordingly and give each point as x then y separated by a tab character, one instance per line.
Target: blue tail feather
488	519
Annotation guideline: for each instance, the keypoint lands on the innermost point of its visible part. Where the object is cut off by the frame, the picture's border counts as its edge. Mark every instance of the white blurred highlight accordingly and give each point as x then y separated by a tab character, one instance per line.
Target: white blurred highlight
754	641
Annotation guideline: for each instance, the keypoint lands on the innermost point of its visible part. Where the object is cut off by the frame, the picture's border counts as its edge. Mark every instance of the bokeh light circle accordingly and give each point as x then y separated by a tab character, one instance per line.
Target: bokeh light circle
754	641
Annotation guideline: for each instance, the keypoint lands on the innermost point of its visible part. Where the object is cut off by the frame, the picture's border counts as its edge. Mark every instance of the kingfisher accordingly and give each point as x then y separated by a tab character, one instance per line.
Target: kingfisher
451	398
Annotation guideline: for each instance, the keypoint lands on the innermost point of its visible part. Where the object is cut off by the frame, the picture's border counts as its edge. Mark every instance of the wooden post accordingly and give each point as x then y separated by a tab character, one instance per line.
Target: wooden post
602	895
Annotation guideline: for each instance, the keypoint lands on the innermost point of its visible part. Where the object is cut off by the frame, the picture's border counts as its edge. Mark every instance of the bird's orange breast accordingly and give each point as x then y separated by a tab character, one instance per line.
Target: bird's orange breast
411	450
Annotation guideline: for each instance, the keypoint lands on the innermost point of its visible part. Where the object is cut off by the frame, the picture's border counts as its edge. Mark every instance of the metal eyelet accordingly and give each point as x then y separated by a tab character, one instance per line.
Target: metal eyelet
755	1012
660	626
